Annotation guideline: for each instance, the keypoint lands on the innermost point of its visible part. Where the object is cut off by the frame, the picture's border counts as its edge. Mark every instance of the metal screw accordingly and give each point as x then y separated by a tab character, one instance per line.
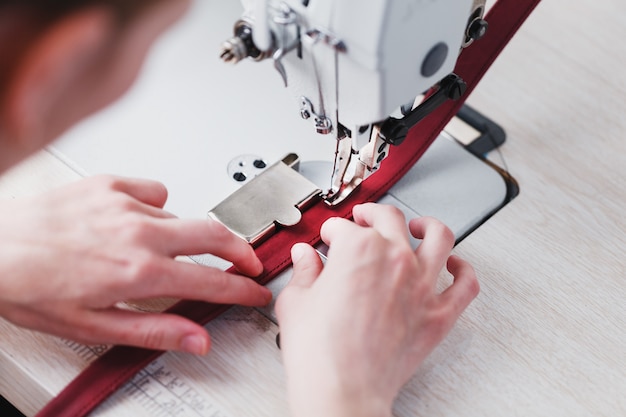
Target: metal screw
323	125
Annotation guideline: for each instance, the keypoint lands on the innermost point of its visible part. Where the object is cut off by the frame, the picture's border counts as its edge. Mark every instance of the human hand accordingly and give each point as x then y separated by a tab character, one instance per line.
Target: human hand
68	257
354	330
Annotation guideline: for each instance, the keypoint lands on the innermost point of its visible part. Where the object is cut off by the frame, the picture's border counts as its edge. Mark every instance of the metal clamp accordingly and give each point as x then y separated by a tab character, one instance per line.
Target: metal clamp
275	197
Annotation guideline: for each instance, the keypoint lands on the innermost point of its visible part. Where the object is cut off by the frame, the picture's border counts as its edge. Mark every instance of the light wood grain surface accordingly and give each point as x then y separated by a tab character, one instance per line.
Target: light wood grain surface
546	336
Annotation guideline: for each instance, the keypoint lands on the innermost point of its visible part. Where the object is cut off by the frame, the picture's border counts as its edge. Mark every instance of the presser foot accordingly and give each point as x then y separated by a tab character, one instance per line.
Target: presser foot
352	167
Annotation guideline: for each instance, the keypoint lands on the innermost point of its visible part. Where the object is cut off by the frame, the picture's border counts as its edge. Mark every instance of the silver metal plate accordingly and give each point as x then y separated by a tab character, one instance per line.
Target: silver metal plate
275	197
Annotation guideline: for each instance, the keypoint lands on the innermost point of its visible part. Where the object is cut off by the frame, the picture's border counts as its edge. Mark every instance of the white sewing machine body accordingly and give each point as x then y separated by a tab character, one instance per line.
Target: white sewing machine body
367	58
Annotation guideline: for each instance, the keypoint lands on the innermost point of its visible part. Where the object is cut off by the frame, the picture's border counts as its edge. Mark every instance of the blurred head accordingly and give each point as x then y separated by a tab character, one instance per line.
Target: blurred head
62	60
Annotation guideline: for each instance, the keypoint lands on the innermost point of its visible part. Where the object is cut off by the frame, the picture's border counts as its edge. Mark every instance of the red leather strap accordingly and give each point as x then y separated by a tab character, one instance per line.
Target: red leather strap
109	372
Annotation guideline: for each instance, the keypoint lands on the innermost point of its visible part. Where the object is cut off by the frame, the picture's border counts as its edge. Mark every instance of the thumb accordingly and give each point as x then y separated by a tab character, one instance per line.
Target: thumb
307	265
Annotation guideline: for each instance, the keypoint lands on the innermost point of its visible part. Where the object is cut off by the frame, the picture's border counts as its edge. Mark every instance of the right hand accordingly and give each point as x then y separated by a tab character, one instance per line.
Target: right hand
354	330
68	257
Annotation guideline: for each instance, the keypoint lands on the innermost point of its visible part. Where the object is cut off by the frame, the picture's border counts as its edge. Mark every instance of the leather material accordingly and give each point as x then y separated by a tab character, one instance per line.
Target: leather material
109	372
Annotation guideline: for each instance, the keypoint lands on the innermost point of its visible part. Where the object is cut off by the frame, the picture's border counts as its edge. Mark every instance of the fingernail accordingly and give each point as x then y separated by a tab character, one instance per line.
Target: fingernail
194	344
297	252
268	296
259	266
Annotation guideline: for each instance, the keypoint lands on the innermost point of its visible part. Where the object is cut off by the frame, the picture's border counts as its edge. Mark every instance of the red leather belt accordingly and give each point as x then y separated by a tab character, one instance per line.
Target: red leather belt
109	372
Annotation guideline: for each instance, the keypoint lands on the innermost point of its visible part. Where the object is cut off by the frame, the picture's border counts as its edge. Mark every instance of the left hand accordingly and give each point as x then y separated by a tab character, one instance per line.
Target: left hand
69	256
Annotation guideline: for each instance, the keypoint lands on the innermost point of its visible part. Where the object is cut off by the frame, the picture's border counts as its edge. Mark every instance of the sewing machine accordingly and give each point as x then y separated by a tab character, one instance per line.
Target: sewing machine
206	129
351	67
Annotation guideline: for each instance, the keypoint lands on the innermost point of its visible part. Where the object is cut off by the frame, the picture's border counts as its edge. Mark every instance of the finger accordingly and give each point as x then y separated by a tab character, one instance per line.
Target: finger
129	204
464	288
437	242
148	330
194	237
149	192
307	265
337	228
171	278
388	220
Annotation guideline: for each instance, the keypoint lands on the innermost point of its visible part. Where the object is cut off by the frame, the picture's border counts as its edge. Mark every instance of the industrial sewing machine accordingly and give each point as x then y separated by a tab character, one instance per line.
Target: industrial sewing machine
206	129
356	68
363	74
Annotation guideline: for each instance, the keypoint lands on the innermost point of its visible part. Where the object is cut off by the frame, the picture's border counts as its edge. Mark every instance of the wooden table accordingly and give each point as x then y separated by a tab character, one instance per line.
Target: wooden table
546	336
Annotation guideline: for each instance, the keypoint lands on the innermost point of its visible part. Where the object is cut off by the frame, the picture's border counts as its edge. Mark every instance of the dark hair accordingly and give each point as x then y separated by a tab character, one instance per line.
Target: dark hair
46	12
50	10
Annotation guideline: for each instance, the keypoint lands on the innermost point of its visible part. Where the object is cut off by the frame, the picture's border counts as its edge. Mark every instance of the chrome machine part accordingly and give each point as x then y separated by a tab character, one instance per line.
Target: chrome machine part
352	166
276	34
323	125
241	46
